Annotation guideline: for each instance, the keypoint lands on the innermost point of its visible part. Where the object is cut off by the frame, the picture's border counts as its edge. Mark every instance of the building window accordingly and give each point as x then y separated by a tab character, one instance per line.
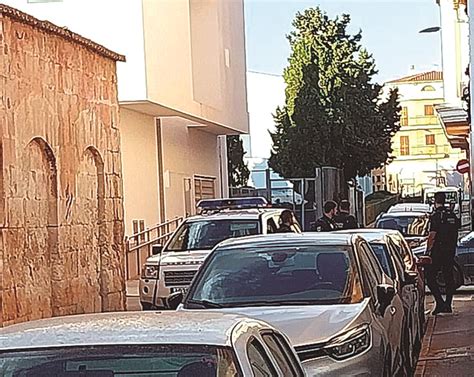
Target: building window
204	188
430	140
429	110
404	146
404	117
428	88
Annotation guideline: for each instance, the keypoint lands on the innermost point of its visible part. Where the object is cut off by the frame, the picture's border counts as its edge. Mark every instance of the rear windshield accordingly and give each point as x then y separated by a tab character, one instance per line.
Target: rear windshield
205	234
123	361
409	226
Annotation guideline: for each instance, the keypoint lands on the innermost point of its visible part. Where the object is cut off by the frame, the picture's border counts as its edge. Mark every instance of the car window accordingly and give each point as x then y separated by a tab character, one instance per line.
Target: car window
282	354
271	226
238	276
468	240
409	226
205	234
119	360
259	361
404	250
397	259
382	253
371	269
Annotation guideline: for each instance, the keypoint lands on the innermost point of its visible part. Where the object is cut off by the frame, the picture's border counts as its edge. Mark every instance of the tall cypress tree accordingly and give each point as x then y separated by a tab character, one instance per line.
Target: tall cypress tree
237	168
334	114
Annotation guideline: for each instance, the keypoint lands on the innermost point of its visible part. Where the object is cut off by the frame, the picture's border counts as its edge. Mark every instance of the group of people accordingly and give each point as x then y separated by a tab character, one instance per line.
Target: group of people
334	218
441	245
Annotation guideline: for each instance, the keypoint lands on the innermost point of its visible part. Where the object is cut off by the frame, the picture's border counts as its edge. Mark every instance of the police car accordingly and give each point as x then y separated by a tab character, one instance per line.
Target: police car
174	266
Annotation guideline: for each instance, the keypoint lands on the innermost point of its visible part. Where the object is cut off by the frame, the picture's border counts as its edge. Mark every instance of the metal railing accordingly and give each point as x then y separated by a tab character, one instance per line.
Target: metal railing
425	150
138	246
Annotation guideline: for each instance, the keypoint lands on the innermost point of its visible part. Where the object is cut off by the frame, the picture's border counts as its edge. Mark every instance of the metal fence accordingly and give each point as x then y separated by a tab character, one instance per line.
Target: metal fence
138	246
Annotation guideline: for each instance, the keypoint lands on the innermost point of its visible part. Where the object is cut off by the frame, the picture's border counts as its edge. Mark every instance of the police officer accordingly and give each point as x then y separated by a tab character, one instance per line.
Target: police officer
442	242
326	223
344	220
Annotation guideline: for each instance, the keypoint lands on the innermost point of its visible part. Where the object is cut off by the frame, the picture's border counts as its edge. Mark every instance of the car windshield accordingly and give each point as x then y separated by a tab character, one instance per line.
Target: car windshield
409	226
381	252
277	276
108	361
205	234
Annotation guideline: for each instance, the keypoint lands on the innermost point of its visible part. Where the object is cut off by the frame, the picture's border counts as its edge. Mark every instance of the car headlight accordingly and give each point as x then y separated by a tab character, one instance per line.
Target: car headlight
352	343
150	271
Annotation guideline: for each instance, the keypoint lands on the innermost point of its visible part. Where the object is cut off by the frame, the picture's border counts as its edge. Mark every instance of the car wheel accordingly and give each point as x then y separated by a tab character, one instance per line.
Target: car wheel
458	279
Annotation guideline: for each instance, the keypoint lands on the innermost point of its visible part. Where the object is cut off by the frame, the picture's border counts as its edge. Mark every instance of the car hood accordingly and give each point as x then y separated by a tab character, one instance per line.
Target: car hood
184	257
309	324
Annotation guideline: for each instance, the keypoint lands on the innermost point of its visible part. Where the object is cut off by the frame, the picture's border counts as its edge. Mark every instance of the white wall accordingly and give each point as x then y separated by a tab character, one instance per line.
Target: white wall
411	91
264	93
115	24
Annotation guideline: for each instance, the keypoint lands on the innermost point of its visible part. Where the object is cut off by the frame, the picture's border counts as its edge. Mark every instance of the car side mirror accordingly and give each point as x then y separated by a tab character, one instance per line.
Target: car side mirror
156	249
424	260
385	295
173	300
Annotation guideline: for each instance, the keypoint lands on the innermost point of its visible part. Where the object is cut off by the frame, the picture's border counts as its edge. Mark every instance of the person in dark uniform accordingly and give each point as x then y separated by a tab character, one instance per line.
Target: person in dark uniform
287	222
442	242
343	219
326	223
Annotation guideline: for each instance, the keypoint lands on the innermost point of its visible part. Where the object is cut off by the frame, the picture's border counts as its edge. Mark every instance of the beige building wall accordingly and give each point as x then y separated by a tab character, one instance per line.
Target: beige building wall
195	60
188	153
140	168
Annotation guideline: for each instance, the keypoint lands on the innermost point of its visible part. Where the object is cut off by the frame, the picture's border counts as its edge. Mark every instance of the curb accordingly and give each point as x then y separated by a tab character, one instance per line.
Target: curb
425	349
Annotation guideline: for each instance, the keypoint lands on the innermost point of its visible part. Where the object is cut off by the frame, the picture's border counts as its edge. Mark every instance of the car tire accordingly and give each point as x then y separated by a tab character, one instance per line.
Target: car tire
458	279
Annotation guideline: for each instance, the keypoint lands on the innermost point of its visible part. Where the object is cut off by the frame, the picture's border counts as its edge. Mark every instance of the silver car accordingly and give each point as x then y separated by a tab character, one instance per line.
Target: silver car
146	344
326	291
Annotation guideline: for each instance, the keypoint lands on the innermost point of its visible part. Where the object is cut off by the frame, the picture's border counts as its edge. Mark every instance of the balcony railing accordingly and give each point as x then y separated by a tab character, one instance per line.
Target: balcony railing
424	150
424	120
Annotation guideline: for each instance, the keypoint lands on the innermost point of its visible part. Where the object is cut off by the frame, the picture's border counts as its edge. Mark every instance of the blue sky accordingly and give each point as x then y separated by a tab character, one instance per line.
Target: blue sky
390	32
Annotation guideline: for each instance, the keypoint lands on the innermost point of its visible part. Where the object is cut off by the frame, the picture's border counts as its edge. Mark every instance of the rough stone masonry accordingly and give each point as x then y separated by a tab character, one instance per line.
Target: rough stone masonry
61	210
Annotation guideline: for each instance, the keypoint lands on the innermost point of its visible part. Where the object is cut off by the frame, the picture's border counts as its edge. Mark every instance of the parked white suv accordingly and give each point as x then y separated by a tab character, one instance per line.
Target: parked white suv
174	266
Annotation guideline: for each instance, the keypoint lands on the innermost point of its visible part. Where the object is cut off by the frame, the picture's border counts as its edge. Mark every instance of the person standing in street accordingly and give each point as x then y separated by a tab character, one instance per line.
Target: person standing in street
326	222
343	219
442	242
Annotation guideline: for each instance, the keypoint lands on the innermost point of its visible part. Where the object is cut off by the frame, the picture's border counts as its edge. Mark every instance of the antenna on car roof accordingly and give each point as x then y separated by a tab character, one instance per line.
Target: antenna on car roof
216	205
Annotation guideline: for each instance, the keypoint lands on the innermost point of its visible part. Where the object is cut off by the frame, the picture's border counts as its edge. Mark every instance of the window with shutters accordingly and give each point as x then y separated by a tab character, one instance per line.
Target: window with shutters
430	140
404	146
204	188
429	110
404	116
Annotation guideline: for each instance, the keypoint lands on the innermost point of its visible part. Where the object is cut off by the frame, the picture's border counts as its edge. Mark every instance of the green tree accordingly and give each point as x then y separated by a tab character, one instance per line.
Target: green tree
334	115
237	168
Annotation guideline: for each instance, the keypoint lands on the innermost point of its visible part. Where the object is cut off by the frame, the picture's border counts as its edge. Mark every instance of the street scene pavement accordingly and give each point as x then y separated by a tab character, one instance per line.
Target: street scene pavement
448	347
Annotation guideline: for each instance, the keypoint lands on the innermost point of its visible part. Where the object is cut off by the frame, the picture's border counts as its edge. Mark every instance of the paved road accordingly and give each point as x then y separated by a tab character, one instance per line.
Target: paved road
448	347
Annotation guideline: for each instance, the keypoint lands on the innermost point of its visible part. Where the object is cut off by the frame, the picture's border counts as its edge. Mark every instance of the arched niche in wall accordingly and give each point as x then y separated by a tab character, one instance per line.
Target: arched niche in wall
38	191
89	221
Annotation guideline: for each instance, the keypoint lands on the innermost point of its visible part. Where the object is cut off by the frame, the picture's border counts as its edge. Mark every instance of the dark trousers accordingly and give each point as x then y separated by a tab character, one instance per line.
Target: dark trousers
447	268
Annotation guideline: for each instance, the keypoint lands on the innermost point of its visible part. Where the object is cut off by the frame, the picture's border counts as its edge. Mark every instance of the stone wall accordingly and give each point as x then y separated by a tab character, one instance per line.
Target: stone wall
61	211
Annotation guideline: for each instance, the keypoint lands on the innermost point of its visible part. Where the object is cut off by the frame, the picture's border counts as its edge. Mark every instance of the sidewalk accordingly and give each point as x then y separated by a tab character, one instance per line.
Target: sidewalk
448	346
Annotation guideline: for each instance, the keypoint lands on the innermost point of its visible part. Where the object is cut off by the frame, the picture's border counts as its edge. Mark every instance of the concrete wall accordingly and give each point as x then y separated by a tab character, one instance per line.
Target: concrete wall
195	58
140	168
61	179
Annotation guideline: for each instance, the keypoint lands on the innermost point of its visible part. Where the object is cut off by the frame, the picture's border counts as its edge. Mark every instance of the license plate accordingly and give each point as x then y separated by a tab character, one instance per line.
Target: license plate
182	290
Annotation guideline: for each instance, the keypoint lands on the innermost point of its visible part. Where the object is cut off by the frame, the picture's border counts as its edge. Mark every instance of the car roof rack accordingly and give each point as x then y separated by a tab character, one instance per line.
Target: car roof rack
216	205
